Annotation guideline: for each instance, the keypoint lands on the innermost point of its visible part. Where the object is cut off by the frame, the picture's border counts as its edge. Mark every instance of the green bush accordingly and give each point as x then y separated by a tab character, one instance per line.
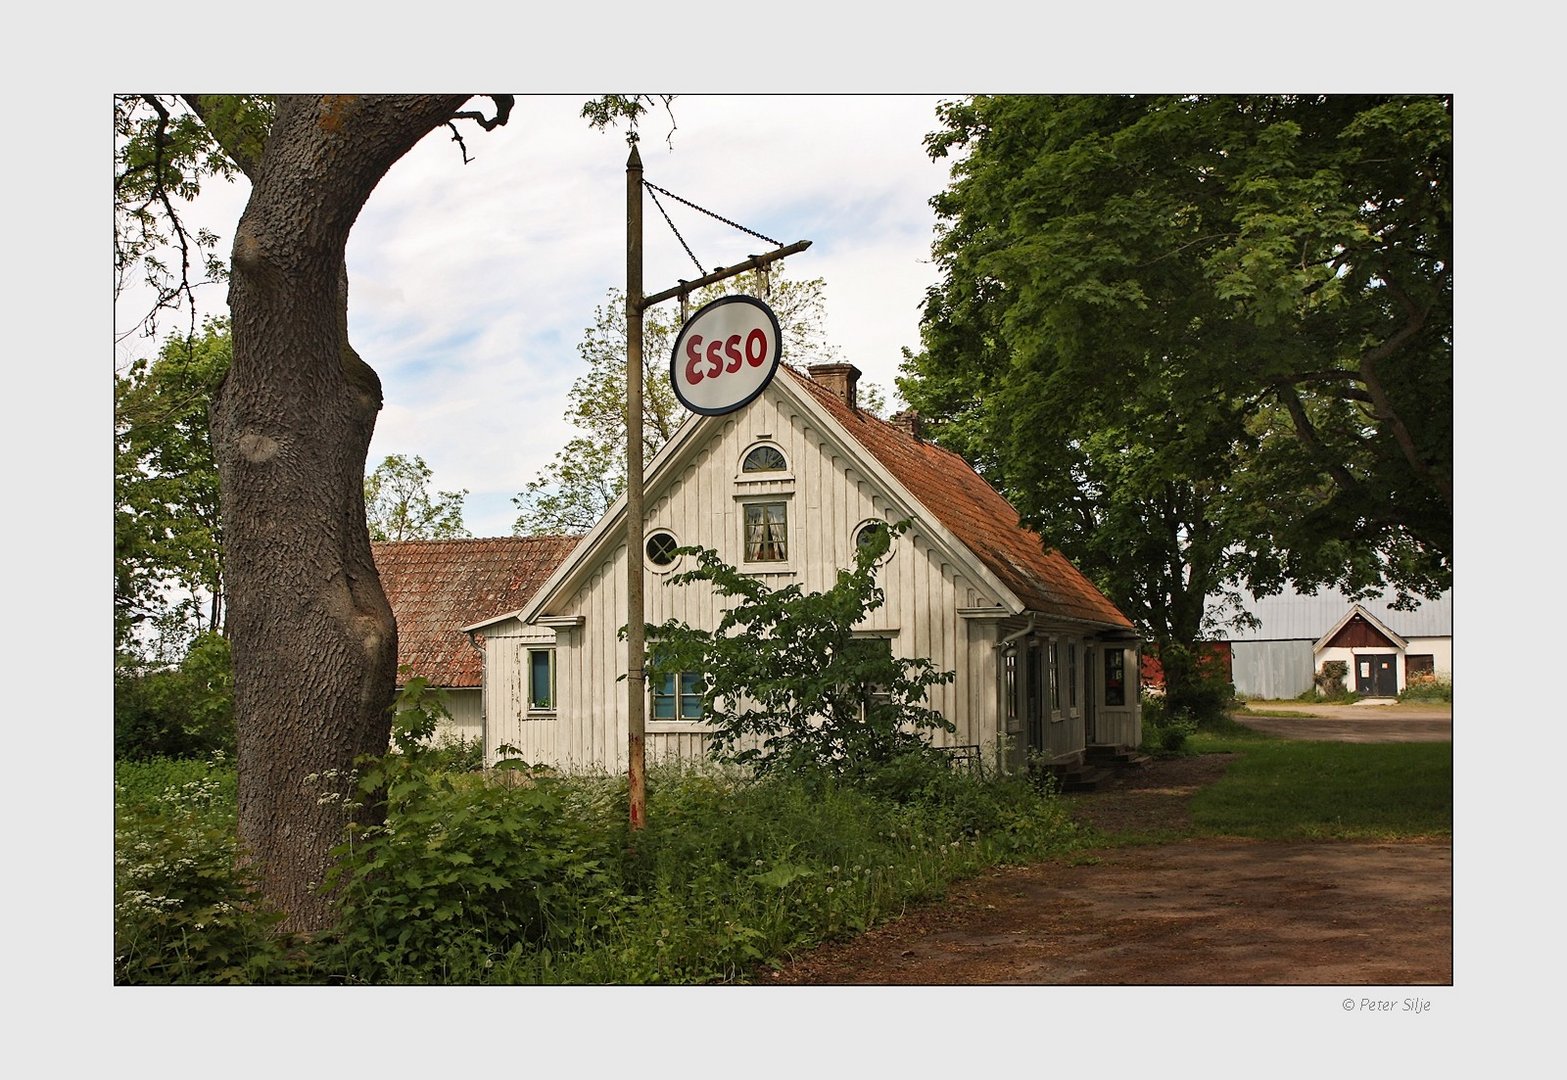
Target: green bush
183	912
1427	689
182	712
520	876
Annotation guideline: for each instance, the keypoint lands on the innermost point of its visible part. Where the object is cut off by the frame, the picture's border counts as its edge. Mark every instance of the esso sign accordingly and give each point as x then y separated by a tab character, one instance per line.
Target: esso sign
725	355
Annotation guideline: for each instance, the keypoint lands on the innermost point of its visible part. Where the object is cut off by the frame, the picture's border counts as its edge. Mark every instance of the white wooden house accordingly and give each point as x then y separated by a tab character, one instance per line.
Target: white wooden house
435	587
782	489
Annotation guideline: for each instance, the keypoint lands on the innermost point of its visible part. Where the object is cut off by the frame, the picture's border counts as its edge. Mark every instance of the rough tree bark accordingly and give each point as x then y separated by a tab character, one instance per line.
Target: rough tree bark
314	642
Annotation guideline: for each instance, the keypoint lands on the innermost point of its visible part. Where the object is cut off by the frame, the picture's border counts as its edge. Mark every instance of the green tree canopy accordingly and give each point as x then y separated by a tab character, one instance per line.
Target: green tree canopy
400	506
168	565
1204	340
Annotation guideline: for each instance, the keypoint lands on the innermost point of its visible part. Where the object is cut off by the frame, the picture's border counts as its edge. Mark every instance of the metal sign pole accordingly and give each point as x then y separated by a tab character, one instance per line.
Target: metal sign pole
636	621
636	670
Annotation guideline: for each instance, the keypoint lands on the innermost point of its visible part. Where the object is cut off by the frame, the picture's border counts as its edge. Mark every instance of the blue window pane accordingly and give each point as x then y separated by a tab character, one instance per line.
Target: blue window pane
690	695
664	698
540	691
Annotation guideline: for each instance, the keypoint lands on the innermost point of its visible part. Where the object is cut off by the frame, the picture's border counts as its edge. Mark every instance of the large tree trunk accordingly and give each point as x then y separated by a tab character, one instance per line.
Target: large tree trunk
314	642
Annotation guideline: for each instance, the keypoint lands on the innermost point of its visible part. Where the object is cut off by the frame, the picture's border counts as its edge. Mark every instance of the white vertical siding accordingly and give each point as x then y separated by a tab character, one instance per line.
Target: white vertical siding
828	498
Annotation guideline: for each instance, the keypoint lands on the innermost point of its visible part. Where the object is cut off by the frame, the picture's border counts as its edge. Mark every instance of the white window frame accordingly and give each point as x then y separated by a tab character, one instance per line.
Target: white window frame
534	709
787	565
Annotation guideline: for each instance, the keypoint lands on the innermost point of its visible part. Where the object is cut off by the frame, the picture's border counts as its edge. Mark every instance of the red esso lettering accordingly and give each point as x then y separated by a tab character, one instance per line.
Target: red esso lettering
693	358
753	352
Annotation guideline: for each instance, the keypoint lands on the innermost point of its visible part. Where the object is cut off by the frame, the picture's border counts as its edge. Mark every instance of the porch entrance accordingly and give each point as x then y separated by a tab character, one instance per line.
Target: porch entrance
1377	675
1034	696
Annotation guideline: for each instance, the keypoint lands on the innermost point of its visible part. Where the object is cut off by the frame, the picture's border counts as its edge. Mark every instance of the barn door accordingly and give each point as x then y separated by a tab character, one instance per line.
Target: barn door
1377	675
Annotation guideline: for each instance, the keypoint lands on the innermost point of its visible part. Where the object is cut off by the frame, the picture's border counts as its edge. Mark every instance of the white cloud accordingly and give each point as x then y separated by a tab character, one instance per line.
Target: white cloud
471	285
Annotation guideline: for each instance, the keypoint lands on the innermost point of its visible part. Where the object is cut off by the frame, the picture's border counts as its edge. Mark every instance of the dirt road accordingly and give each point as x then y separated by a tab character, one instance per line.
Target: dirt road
1196	912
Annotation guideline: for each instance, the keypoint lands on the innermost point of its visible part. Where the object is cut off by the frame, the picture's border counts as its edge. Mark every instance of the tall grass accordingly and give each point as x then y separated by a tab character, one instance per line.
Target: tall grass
476	880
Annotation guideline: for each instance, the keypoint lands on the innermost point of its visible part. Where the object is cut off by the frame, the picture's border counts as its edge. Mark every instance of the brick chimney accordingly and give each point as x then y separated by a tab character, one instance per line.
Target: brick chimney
909	422
842	379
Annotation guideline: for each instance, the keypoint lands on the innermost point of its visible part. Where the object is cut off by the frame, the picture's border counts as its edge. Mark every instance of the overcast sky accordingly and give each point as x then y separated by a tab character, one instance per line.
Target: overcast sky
471	285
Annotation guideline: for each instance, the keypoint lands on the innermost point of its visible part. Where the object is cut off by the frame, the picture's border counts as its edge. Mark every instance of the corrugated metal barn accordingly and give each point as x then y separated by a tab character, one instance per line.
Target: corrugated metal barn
1296	633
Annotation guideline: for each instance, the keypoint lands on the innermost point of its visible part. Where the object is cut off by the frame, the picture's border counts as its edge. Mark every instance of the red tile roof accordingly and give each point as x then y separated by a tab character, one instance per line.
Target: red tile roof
976	514
436	587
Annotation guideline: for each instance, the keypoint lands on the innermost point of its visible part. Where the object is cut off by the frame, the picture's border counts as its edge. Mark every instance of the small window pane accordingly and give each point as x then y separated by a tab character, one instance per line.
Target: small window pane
690	695
766	532
664	698
764	459
541	682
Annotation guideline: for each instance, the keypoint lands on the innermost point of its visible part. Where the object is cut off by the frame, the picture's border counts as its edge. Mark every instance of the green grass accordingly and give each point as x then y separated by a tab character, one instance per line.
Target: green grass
484	882
1298	790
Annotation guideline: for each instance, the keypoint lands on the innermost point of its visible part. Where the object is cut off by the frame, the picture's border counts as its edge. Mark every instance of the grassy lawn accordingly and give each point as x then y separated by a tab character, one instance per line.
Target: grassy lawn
1297	790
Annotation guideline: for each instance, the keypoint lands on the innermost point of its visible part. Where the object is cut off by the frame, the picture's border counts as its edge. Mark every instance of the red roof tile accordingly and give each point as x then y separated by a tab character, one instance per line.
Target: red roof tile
436	587
976	514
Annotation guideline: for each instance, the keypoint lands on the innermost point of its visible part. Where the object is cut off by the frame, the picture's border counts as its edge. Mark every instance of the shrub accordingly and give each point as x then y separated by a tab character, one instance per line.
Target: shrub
1329	680
465	866
183	912
182	712
1427	688
1195	685
788	685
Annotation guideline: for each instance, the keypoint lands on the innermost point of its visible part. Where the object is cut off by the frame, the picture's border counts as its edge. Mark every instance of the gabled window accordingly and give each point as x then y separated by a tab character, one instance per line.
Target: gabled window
766	532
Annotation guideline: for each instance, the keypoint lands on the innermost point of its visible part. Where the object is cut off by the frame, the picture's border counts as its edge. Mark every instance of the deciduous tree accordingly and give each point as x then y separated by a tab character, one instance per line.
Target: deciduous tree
400	506
1202	342
168	567
589	473
314	642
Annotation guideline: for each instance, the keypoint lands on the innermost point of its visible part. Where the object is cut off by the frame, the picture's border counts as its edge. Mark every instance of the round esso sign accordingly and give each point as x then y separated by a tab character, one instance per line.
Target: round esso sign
725	355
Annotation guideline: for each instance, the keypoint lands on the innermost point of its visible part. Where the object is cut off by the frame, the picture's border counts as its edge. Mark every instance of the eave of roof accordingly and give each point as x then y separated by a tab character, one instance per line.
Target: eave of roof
977	515
436	586
974	523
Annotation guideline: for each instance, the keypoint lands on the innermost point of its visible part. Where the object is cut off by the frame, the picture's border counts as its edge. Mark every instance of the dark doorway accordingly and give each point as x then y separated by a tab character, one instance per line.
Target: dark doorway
1377	675
1034	696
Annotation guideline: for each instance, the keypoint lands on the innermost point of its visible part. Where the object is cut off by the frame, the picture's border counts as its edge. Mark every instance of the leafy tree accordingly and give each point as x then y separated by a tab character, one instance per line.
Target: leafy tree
589	473
399	506
1202	342
788	685
168	567
180	711
314	642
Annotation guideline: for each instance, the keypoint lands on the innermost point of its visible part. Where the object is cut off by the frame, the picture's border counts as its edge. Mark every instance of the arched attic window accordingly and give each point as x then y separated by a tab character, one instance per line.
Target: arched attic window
763	459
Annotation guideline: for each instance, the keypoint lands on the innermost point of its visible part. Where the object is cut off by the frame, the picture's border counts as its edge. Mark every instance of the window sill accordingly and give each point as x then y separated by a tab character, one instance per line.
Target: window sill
540	714
678	727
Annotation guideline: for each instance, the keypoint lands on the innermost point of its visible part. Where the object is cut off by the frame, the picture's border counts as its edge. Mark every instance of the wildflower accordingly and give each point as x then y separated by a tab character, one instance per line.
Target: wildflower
829	890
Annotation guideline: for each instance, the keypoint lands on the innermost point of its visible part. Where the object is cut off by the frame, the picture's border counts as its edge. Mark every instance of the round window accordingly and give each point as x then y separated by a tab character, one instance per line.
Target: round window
868	532
661	548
